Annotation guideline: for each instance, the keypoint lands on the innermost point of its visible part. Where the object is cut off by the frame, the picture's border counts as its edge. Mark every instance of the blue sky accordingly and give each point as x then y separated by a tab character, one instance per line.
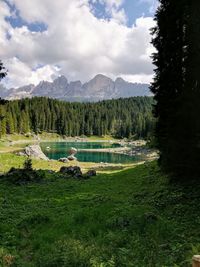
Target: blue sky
133	10
42	39
17	21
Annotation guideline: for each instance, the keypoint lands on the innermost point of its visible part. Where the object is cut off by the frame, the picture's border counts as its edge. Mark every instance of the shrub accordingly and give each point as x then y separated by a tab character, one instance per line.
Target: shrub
23	176
28	164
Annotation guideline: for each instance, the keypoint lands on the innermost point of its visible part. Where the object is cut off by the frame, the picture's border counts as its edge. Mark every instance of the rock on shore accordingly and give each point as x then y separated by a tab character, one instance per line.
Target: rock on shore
34	151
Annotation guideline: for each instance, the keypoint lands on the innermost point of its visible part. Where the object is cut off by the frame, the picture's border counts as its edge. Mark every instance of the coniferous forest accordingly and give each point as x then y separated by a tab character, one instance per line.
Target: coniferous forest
120	118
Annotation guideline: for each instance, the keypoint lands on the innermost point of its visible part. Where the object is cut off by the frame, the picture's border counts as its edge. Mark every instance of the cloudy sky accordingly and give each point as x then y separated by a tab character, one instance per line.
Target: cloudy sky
42	39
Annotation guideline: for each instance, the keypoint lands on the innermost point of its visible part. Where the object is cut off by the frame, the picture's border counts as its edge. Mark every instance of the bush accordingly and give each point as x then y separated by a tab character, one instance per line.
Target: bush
28	164
24	176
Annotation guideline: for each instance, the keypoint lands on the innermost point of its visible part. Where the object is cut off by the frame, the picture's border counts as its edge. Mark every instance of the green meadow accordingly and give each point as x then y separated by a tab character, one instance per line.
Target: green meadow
133	217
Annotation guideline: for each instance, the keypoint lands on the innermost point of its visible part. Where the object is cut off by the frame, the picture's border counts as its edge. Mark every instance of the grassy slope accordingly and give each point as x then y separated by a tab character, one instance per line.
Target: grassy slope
27	137
16	142
101	138
9	159
130	218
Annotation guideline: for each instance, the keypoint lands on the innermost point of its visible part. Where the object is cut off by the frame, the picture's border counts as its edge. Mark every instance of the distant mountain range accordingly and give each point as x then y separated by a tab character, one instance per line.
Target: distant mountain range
99	88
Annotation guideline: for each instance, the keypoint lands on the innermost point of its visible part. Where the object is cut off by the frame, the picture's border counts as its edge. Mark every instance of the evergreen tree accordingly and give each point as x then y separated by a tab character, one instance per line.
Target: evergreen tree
9	124
176	85
3	71
28	166
2	120
3	74
189	144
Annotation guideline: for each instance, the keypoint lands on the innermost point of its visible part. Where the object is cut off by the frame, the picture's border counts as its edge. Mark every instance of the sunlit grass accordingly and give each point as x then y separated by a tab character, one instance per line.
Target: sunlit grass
101	138
130	218
8	160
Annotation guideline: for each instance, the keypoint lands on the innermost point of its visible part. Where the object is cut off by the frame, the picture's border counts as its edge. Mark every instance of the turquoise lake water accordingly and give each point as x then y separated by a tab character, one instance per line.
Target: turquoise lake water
60	149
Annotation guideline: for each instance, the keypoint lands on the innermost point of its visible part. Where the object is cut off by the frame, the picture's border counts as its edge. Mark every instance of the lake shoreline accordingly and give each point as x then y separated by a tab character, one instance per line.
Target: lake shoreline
16	143
136	148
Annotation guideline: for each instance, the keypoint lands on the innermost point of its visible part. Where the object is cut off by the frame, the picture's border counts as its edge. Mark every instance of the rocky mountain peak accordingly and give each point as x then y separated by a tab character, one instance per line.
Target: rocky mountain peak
100	83
61	81
120	80
101	77
100	87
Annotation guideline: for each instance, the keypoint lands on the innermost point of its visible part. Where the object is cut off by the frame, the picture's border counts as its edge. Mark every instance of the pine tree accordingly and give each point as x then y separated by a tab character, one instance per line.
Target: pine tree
189	144
3	74
28	165
3	71
177	85
9	124
3	127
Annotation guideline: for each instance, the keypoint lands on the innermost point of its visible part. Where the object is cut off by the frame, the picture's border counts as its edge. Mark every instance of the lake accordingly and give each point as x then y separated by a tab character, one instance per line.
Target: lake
60	149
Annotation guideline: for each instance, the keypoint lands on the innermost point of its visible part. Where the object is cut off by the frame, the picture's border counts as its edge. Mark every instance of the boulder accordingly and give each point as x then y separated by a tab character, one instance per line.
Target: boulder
73	171
72	151
71	158
64	160
35	151
91	173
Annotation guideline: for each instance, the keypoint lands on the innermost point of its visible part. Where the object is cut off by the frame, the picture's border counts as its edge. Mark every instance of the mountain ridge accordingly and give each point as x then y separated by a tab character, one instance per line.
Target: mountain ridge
98	88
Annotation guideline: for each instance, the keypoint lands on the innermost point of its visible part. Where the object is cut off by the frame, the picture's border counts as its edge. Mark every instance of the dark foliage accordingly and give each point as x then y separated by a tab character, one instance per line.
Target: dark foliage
177	86
3	71
23	176
120	118
28	164
3	74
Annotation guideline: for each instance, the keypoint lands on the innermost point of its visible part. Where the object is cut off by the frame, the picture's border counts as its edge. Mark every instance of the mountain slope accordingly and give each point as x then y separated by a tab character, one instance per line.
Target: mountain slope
99	88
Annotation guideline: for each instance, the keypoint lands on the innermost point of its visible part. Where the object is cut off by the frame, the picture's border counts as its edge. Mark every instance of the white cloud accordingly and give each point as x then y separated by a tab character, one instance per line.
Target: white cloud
140	78
21	74
76	41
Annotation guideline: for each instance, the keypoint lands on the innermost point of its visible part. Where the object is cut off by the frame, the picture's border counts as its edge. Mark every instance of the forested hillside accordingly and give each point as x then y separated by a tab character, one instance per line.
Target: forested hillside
120	118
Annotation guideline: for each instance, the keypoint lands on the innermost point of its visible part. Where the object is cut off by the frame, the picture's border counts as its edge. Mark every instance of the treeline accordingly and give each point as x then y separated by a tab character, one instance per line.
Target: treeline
120	118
